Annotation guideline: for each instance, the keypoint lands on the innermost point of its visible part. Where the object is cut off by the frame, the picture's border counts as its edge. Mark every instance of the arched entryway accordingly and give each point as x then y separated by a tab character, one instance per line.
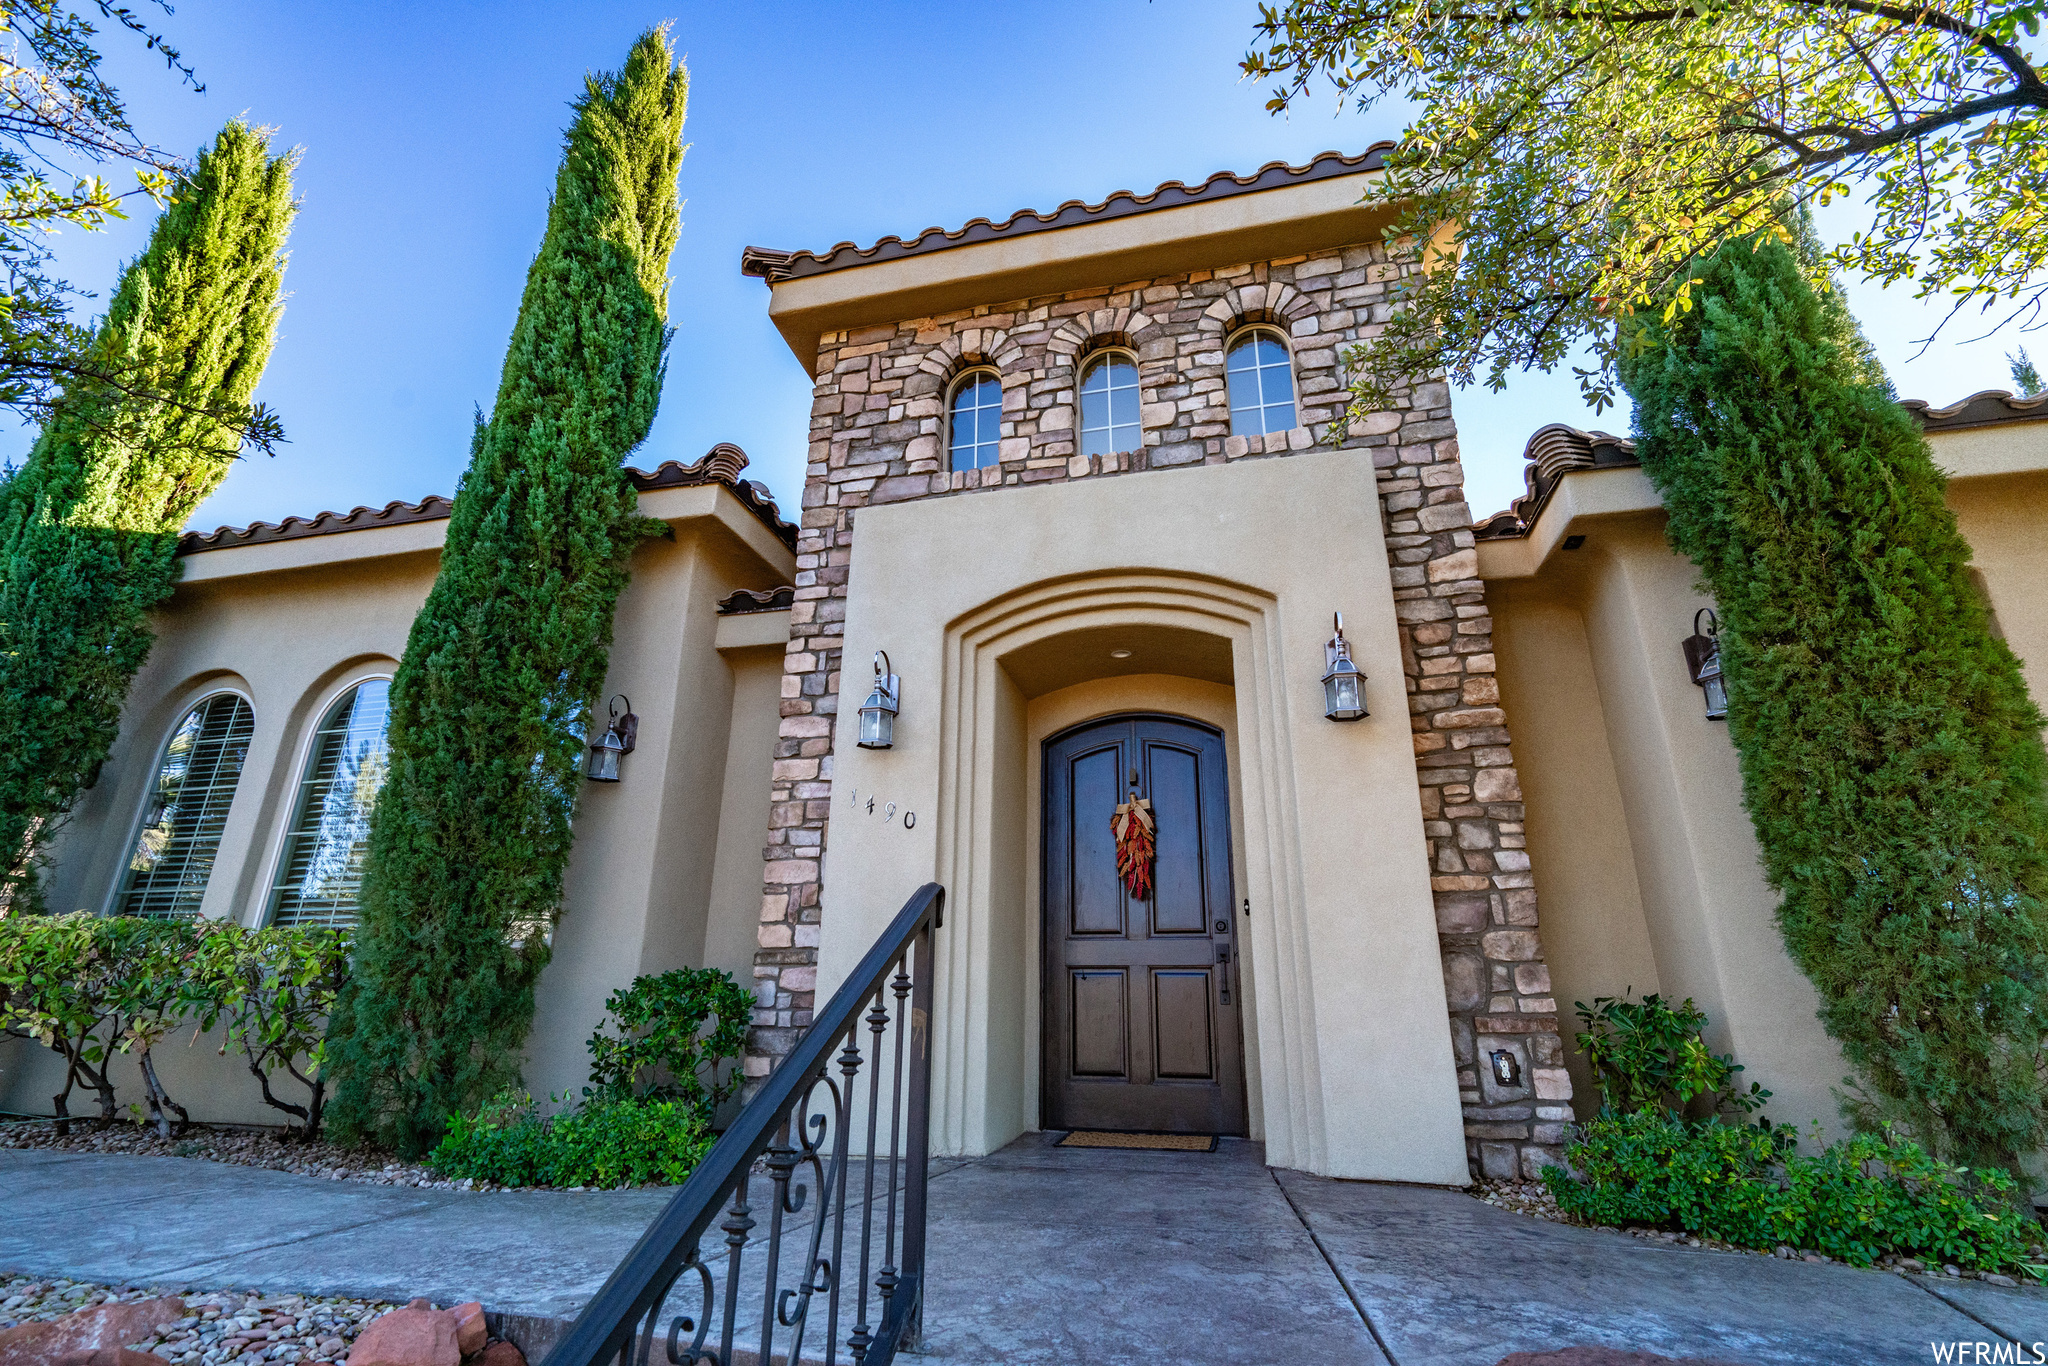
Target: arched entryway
1142	995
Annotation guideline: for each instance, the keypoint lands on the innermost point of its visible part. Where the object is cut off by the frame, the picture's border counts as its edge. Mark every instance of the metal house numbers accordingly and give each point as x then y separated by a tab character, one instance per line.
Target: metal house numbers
853	800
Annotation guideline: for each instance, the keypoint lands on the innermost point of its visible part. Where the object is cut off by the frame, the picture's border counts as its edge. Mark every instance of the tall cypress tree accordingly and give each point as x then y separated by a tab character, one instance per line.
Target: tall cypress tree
1891	758
89	525
463	879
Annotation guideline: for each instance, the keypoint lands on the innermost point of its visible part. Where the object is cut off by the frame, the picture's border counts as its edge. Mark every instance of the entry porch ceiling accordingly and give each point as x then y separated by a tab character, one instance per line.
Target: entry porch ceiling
1083	656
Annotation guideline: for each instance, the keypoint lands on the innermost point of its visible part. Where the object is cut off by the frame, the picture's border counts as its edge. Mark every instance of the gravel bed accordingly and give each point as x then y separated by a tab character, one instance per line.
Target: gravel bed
1534	1199
219	1327
236	1147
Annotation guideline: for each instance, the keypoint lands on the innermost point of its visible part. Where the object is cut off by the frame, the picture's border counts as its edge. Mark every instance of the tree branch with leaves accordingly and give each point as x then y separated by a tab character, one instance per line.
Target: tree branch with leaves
1586	154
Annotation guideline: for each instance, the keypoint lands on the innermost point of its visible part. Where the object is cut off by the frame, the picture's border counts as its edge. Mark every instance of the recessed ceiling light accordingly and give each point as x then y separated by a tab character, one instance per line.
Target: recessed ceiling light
1119	654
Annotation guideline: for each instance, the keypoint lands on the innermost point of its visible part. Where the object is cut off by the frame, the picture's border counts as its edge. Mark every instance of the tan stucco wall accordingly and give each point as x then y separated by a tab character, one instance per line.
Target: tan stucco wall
290	624
1352	1043
1648	863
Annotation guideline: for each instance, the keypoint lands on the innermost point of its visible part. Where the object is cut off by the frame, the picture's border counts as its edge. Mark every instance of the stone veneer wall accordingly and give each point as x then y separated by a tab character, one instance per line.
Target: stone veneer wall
876	436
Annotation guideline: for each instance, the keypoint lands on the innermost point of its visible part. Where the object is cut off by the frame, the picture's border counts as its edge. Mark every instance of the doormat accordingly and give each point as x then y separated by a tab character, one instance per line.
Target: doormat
1098	1138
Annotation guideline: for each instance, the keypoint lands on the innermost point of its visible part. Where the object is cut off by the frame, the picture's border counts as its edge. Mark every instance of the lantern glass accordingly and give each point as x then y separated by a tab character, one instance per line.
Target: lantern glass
602	765
1341	697
1716	689
877	722
878	713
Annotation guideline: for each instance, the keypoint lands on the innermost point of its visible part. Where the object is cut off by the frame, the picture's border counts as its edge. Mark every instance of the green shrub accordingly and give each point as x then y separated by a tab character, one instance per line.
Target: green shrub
1650	1054
491	707
1891	757
274	988
607	1141
90	986
657	1048
1750	1185
60	987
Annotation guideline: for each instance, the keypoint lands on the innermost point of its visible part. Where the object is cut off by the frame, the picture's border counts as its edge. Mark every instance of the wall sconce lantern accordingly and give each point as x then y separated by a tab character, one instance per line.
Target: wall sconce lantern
1506	1070
1343	684
1703	658
602	764
878	713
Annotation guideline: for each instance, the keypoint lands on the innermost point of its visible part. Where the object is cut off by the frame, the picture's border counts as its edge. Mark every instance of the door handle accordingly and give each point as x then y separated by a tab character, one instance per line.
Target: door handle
1223	976
1223	953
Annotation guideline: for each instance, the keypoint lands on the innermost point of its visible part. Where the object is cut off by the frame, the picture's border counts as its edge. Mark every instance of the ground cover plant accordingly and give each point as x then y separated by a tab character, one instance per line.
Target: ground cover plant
602	1141
1643	1161
645	1119
89	525
491	706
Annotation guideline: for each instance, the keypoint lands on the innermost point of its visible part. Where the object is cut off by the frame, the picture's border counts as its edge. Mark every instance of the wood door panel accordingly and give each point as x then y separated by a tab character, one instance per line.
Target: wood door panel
1141	1025
1178	905
1101	1024
1182	1025
1097	904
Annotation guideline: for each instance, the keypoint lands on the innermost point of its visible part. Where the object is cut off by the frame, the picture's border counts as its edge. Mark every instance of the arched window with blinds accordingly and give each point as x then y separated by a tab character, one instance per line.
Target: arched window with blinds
173	855
320	869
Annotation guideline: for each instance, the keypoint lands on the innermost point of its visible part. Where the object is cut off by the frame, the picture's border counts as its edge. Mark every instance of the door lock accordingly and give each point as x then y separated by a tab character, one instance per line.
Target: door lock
1223	927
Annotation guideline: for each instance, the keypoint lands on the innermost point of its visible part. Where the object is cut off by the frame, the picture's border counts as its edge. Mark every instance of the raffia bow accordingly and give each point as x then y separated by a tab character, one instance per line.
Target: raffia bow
1134	828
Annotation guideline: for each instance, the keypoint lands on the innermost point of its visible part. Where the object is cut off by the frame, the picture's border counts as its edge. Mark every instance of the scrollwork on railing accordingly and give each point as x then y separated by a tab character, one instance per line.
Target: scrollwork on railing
799	1131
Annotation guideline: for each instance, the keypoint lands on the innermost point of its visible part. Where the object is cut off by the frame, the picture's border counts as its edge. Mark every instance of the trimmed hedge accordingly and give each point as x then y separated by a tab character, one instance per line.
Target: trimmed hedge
91	986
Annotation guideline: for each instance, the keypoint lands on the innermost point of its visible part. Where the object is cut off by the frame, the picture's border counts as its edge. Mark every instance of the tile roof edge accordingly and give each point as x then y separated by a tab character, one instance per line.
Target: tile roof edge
720	465
1556	450
776	266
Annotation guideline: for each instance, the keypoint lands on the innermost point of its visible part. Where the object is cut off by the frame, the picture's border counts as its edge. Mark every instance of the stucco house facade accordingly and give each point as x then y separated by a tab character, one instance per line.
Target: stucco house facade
1075	485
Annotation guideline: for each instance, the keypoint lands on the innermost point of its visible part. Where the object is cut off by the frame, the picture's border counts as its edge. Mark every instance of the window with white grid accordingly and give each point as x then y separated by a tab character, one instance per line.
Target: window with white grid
320	871
1261	379
188	808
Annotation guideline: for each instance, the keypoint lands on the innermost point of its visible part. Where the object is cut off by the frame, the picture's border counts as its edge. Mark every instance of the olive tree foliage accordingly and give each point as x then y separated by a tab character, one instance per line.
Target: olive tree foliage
89	525
64	134
1568	160
489	708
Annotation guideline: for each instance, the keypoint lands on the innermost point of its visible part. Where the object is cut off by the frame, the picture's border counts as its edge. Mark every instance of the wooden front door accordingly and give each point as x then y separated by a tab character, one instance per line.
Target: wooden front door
1141	998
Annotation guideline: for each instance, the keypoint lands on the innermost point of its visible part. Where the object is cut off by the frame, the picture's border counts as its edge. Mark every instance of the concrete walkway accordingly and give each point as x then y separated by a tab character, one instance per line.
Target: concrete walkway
1044	1255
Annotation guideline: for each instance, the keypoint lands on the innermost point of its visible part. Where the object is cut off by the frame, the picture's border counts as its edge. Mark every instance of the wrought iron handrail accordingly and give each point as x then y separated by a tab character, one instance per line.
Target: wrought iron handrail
778	1130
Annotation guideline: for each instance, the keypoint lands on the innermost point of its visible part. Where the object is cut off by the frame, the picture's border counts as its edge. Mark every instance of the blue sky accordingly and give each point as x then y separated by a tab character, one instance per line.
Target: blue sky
431	134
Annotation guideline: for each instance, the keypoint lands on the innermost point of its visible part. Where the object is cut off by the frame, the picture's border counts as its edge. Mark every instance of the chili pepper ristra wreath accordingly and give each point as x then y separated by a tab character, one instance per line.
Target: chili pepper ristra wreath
1133	826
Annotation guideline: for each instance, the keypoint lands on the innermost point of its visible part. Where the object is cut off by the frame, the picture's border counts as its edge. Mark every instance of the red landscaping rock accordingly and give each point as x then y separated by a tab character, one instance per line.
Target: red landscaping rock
501	1354
89	1330
1601	1356
470	1333
406	1337
111	1356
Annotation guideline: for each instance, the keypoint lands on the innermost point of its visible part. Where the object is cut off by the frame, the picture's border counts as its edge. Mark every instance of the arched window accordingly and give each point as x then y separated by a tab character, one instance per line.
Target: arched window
1109	405
188	809
1261	378
320	870
974	420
